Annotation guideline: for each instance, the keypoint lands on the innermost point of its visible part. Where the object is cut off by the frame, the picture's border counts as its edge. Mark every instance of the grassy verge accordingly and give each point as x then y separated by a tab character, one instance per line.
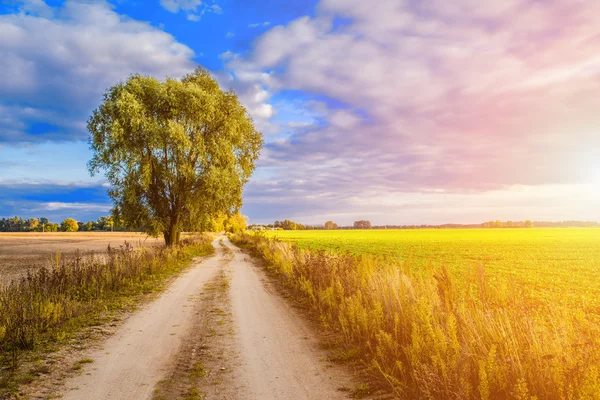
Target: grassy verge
425	335
50	305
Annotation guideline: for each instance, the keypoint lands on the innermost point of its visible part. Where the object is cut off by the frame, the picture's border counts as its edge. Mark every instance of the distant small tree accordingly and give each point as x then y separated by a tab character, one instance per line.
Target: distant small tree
88	226
330	225
50	227
528	224
362	224
289	225
33	224
69	225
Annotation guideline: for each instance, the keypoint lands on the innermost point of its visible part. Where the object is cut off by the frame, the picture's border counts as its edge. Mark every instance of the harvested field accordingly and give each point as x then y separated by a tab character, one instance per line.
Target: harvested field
20	252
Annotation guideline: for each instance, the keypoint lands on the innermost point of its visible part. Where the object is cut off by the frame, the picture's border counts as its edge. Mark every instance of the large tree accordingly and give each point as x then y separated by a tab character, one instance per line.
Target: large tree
176	152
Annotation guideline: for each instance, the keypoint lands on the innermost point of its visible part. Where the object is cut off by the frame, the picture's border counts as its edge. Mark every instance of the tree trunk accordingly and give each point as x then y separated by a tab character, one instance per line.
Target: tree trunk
171	235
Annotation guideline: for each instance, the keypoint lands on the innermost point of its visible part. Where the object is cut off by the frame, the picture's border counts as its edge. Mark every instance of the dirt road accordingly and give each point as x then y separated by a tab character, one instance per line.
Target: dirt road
276	353
280	352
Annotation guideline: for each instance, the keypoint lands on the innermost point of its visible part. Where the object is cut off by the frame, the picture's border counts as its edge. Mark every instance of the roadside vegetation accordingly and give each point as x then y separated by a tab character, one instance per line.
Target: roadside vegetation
49	305
428	332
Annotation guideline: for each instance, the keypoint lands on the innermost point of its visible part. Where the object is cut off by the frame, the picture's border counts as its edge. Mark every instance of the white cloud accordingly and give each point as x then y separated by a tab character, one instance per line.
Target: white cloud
343	119
266	23
55	69
253	96
56	206
193	8
175	6
38	7
439	81
463	96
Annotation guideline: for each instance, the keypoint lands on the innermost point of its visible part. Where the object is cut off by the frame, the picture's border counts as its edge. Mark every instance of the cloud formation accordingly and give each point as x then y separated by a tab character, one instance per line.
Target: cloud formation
53	200
194	9
396	107
57	61
460	97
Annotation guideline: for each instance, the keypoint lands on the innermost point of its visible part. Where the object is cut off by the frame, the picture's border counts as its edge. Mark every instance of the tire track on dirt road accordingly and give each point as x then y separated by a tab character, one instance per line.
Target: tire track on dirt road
272	353
281	356
138	354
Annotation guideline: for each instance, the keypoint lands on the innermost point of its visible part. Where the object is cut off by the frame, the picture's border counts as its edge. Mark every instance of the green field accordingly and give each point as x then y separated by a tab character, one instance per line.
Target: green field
552	264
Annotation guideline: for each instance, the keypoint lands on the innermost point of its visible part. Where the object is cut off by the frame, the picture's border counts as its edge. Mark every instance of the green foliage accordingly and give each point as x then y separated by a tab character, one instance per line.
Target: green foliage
17	224
430	333
512	224
69	225
177	153
50	227
288	225
330	225
236	223
362	224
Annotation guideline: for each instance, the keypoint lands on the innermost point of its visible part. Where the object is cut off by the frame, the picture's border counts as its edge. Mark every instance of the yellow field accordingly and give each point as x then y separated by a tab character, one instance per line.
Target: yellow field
455	314
551	264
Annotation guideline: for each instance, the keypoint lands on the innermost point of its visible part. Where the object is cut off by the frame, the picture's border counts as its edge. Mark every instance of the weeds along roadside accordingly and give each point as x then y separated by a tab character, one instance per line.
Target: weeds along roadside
427	334
49	305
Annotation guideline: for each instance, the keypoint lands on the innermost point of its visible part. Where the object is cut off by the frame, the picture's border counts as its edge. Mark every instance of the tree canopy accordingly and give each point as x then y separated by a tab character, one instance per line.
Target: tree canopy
330	225
176	153
69	225
362	224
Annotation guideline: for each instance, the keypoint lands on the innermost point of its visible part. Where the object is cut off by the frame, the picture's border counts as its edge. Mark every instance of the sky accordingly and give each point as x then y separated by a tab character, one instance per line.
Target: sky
396	111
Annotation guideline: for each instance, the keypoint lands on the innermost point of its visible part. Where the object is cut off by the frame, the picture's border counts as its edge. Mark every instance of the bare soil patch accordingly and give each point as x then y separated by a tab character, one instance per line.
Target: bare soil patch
20	252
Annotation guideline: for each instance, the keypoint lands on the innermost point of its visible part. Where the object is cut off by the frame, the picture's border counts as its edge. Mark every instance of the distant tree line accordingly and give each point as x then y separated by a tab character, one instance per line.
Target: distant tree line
508	224
288	225
235	222
364	224
16	224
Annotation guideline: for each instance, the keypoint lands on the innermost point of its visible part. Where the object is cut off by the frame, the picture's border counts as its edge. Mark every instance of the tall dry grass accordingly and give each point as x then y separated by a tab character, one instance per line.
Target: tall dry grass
49	304
429	335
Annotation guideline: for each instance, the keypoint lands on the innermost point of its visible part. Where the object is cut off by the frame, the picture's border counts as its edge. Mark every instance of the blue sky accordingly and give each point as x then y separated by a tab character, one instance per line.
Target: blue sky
398	111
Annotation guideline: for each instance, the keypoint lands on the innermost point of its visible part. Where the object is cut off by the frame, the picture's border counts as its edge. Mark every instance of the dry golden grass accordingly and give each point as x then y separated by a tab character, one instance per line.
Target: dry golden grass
428	334
20	252
44	310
